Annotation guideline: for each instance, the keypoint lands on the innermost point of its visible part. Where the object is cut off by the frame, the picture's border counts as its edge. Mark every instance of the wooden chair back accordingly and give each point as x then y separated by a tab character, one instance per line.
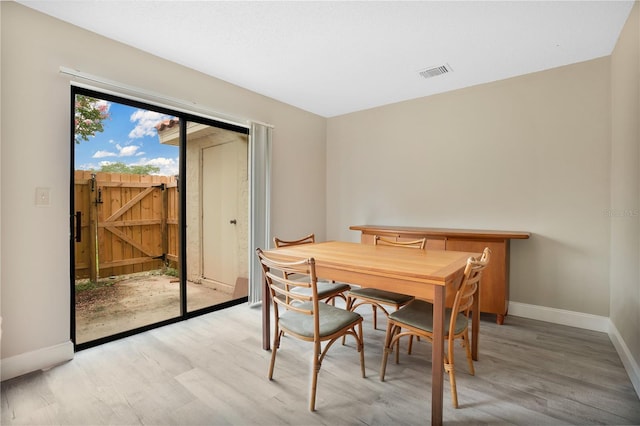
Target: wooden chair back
311	238
469	286
281	286
327	291
279	242
419	243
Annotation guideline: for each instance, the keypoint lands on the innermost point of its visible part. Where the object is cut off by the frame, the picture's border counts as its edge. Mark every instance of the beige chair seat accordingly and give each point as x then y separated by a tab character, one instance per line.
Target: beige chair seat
381	296
326	289
332	320
419	314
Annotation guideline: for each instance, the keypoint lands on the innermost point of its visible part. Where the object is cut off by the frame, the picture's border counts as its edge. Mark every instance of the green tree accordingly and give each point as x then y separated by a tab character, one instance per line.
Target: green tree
89	115
120	167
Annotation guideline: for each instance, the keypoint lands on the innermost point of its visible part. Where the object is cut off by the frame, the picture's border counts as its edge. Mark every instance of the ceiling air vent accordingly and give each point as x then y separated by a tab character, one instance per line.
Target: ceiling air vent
436	71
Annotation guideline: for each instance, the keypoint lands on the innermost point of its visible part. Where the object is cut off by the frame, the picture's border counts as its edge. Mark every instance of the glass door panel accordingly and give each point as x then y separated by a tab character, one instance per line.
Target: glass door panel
217	223
125	205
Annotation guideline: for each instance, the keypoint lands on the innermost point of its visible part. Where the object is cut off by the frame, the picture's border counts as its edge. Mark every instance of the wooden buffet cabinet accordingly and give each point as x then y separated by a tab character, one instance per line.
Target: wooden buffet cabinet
494	289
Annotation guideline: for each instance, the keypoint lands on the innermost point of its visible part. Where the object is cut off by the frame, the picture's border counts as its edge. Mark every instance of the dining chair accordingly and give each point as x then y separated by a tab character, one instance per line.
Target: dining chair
307	319
327	290
417	319
381	298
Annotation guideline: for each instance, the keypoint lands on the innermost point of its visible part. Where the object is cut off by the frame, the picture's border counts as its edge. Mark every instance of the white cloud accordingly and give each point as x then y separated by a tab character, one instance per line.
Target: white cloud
102	154
127	151
168	166
145	123
88	166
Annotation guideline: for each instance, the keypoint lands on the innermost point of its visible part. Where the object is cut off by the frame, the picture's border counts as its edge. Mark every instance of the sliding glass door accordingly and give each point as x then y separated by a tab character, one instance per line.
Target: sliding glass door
217	215
159	202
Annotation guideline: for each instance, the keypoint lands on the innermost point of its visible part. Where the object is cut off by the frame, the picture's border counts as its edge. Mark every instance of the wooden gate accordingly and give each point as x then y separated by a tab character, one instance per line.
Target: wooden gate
129	223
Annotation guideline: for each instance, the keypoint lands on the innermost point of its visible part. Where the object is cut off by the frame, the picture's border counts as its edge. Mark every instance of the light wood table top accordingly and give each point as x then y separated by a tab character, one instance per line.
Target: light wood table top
426	274
384	267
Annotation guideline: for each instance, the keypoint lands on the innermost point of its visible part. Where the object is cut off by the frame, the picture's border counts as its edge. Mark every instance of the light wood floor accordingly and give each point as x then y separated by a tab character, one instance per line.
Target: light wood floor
211	370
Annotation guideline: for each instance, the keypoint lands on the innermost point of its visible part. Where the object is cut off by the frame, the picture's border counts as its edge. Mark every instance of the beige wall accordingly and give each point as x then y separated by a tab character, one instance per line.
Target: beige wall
36	147
625	188
530	153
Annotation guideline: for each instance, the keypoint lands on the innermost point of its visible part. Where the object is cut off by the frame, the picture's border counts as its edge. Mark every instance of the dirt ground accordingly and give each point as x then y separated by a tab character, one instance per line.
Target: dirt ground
123	303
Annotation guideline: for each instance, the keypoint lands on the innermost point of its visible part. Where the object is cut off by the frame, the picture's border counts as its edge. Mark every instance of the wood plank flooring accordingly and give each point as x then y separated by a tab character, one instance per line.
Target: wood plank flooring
211	370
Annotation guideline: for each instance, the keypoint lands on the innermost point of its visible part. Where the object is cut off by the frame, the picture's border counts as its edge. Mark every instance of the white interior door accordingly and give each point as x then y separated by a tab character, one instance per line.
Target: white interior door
220	212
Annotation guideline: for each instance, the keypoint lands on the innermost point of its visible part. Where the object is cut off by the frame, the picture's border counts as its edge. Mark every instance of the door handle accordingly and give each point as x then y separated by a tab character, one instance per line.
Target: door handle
233	221
78	216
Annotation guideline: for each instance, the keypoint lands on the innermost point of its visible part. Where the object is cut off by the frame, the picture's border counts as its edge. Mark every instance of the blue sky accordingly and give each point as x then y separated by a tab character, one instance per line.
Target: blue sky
129	137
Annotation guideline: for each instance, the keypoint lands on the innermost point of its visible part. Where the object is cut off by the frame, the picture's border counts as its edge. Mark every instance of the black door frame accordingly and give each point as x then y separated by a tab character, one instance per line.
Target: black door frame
184	118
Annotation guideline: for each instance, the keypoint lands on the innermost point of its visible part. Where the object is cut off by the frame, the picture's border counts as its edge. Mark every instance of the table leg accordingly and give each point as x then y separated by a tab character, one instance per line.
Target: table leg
437	356
266	318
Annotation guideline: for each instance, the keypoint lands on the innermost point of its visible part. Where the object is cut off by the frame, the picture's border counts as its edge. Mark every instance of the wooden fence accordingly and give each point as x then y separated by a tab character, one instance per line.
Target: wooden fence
129	223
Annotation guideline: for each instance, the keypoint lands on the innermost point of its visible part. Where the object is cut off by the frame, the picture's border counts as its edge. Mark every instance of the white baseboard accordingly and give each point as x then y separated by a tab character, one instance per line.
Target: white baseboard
630	364
36	360
588	322
560	316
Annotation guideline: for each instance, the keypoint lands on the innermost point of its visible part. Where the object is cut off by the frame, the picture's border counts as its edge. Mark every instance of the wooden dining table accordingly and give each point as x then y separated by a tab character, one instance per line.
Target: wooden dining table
431	275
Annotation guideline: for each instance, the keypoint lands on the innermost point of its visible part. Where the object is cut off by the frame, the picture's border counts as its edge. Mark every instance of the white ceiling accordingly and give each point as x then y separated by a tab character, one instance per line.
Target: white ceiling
332	58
